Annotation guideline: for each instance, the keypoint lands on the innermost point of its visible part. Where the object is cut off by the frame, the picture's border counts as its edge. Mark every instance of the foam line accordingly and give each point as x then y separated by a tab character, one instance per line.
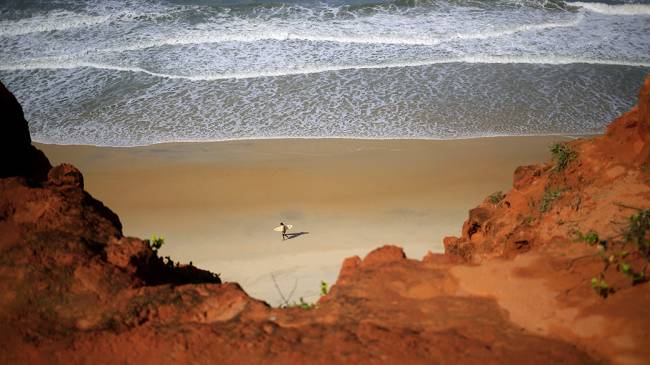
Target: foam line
621	9
469	136
60	64
359	39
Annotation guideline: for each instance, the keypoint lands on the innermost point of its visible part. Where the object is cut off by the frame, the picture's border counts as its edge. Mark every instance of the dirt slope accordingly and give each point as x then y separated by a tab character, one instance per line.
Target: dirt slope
514	288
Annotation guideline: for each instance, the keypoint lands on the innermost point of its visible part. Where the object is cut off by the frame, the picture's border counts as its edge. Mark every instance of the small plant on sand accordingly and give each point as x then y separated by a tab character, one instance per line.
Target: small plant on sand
550	195
563	154
496	198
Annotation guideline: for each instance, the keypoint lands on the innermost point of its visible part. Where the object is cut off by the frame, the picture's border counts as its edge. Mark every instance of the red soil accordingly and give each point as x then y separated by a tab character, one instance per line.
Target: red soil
515	288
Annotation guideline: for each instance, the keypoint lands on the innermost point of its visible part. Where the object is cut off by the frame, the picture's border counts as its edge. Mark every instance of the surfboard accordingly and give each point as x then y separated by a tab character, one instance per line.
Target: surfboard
279	228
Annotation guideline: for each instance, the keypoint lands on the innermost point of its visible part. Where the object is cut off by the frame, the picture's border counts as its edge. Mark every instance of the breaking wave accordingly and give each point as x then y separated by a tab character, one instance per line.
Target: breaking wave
555	60
125	72
618	9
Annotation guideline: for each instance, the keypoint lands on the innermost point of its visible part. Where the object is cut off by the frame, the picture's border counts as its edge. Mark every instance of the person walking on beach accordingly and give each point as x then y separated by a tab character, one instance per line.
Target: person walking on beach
284	231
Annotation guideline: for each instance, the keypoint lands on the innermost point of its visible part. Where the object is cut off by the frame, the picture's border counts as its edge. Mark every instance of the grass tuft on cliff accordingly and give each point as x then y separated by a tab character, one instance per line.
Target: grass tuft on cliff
496	198
551	194
637	229
562	154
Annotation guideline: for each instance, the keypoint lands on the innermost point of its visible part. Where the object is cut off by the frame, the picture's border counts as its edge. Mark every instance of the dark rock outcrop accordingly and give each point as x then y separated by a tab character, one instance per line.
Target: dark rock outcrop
17	155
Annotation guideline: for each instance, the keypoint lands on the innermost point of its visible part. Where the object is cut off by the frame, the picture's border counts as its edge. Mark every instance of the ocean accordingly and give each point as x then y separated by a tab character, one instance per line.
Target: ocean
130	73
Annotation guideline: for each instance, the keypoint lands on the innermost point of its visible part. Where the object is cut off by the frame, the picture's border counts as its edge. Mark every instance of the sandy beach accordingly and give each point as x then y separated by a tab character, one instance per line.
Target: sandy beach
217	203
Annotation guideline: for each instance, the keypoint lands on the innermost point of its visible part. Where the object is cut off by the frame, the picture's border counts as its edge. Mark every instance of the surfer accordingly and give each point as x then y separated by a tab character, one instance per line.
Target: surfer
284	231
283	228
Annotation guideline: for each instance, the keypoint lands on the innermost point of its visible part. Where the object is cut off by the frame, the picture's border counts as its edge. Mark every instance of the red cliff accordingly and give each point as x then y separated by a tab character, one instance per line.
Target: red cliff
516	287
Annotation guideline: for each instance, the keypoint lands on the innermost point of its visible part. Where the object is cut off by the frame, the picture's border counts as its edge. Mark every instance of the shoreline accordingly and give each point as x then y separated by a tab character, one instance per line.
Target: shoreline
336	138
217	202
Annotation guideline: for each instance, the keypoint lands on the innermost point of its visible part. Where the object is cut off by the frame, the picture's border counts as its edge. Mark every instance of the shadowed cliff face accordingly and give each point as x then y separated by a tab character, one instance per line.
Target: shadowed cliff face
19	157
513	289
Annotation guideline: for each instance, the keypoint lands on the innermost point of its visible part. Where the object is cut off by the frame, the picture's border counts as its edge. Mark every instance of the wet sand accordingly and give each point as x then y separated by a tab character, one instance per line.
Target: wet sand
217	203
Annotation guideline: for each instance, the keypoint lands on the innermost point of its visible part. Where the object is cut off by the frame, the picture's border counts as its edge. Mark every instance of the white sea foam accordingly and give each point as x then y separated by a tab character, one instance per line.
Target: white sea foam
479	59
620	9
132	74
202	37
64	20
59	20
522	28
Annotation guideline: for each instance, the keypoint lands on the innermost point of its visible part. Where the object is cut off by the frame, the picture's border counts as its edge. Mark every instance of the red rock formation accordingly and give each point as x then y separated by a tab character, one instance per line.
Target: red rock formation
607	174
383	255
64	263
513	289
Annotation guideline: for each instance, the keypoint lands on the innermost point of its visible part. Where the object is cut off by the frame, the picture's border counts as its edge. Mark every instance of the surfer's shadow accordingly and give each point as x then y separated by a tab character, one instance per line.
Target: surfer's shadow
291	236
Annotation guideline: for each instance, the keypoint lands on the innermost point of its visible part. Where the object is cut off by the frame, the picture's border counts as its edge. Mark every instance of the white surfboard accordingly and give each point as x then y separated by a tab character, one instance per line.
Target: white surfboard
279	228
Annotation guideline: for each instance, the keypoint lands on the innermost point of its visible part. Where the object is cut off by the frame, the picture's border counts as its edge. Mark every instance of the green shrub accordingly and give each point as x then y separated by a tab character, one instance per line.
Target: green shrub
627	270
324	289
550	195
563	154
636	231
305	305
496	198
590	237
614	253
601	287
156	242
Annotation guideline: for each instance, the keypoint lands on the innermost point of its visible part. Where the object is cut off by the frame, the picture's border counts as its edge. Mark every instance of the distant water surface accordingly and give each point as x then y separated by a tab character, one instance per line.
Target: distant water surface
126	72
